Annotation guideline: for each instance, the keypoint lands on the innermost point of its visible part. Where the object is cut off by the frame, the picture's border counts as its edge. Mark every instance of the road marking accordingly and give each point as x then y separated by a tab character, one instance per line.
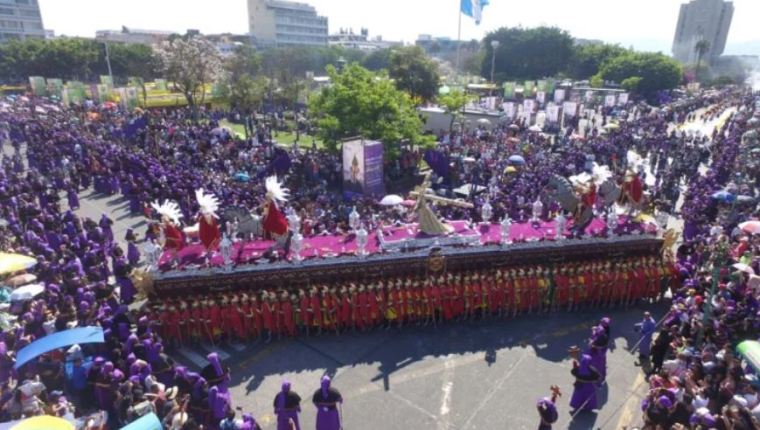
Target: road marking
494	388
448	375
630	408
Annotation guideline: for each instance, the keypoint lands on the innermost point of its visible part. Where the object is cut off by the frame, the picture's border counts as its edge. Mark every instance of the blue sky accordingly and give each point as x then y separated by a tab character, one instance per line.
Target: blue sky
643	24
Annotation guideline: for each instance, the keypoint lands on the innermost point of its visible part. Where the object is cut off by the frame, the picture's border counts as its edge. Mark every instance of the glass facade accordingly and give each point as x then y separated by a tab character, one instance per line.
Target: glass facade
20	19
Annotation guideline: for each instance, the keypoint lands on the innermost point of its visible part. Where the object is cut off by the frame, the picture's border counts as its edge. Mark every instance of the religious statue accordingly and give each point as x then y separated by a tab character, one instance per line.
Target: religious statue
173	238
208	226
274	222
429	223
226	250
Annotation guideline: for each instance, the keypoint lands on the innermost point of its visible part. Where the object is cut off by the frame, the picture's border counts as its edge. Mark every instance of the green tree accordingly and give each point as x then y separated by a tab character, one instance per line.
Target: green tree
414	72
527	53
588	59
378	60
362	103
453	103
631	84
190	63
656	71
701	48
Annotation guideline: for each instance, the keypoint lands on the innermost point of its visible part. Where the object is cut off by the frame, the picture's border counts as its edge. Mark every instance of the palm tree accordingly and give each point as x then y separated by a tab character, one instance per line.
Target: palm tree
701	49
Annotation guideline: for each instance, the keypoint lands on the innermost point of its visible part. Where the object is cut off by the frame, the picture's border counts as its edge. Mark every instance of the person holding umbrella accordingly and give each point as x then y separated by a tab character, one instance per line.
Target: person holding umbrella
327	401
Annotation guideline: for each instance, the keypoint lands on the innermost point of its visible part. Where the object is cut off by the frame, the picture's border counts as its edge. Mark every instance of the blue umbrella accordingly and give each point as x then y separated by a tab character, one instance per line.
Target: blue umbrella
242	177
516	159
724	196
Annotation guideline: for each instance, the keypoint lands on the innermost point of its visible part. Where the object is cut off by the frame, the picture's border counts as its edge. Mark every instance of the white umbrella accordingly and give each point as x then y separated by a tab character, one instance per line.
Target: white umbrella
391	200
744	268
27	292
535	129
750	227
22	279
484	121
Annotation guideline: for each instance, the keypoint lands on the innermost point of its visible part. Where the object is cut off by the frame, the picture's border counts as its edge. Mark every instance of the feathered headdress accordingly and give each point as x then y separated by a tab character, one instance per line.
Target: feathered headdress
275	191
208	203
168	209
600	174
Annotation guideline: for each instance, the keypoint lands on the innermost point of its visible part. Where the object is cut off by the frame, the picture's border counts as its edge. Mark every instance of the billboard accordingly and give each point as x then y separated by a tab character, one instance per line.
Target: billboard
362	168
39	87
509	90
559	96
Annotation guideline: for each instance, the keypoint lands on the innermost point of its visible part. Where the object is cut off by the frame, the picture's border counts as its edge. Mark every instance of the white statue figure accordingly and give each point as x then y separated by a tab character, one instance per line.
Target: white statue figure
538	209
612	221
506	229
361	241
296	244
561	223
486	212
353	219
225	247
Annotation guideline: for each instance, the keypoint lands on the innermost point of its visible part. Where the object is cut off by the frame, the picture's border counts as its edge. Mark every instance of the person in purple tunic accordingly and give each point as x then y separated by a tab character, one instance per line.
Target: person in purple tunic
547	409
133	254
586	377
72	197
327	400
287	406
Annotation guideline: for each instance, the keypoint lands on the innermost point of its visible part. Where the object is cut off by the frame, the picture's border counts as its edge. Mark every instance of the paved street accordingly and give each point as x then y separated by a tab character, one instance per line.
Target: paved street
480	375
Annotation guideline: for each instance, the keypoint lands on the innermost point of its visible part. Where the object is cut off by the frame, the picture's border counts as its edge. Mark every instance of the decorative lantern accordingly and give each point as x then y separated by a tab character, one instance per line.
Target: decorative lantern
361	241
538	209
612	221
506	228
294	222
225	247
353	219
486	212
561	223
296	244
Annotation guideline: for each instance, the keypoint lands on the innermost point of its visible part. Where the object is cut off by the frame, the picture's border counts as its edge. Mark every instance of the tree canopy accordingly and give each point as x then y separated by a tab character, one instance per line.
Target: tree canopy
527	53
362	103
414	72
190	63
588	59
656	71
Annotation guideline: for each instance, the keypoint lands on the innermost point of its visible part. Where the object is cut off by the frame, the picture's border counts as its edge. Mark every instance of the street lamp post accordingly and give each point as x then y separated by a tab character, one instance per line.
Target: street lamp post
494	46
108	62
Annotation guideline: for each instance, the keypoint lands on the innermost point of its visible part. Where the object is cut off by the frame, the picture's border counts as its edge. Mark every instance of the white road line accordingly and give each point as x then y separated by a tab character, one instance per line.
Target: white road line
494	388
444	422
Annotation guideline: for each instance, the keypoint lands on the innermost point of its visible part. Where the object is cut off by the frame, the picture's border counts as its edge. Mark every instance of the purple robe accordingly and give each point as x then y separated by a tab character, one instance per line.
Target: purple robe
584	393
326	400
133	254
287	405
73	199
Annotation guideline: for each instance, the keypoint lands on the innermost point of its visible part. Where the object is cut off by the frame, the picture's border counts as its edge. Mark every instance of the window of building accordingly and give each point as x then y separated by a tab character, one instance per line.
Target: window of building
10	24
30	13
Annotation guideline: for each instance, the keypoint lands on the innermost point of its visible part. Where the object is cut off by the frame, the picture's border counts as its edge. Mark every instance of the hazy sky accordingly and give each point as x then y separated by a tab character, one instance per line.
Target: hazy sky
645	24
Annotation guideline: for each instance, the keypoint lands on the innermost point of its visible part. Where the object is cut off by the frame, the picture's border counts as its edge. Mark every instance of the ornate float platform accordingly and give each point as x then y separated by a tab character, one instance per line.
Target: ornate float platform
400	252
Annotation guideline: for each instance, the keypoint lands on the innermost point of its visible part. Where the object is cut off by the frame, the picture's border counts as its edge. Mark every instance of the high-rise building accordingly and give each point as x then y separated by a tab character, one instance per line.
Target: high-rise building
285	23
20	19
707	20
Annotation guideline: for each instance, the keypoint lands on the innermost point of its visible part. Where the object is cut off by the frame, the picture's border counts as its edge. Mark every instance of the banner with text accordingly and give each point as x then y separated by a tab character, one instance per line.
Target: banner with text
559	96
362	168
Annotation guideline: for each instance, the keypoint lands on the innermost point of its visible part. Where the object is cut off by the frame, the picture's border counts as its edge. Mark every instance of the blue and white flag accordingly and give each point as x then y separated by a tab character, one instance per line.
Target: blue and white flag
473	8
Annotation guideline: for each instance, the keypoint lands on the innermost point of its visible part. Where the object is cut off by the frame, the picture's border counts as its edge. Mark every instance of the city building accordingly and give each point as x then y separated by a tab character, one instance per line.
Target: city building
130	35
20	19
345	38
285	23
699	20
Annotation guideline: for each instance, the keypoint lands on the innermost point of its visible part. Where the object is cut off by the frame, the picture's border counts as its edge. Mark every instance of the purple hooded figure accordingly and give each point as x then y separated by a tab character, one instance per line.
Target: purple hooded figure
249	423
547	410
73	198
598	351
215	374
218	403
287	405
326	399
586	377
133	254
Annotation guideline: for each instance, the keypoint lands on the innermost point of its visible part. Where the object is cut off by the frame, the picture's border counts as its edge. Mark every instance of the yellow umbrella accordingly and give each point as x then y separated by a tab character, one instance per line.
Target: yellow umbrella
44	422
10	263
645	218
510	169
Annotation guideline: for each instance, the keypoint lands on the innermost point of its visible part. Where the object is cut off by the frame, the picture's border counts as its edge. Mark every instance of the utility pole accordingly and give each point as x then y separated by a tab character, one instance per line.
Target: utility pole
494	46
108	62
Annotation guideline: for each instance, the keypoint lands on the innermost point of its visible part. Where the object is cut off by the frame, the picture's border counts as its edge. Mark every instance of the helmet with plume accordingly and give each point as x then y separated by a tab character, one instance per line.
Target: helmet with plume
275	191
168	209
208	203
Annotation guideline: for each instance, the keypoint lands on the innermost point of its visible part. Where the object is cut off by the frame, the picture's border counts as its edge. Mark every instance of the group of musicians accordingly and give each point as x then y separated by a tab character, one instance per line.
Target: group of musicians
404	300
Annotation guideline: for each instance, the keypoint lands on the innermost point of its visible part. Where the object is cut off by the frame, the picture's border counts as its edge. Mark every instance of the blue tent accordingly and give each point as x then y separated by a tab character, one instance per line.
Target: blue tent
58	340
146	422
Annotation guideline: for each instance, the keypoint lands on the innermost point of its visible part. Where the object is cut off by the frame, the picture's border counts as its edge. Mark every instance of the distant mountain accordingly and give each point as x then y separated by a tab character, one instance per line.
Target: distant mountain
749	47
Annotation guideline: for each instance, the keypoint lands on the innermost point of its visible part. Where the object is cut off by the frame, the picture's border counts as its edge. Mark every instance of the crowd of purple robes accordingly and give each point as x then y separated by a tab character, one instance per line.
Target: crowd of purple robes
81	264
695	378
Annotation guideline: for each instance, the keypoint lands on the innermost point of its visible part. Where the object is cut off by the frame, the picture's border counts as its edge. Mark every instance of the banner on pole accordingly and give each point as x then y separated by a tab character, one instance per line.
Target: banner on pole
529	106
622	98
509	90
569	108
509	109
609	100
541	85
541	97
39	87
559	96
55	87
528	88
362	168
589	96
106	80
552	112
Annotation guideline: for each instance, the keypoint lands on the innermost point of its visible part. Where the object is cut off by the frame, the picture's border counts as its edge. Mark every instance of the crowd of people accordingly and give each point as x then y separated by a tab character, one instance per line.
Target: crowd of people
399	301
164	155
